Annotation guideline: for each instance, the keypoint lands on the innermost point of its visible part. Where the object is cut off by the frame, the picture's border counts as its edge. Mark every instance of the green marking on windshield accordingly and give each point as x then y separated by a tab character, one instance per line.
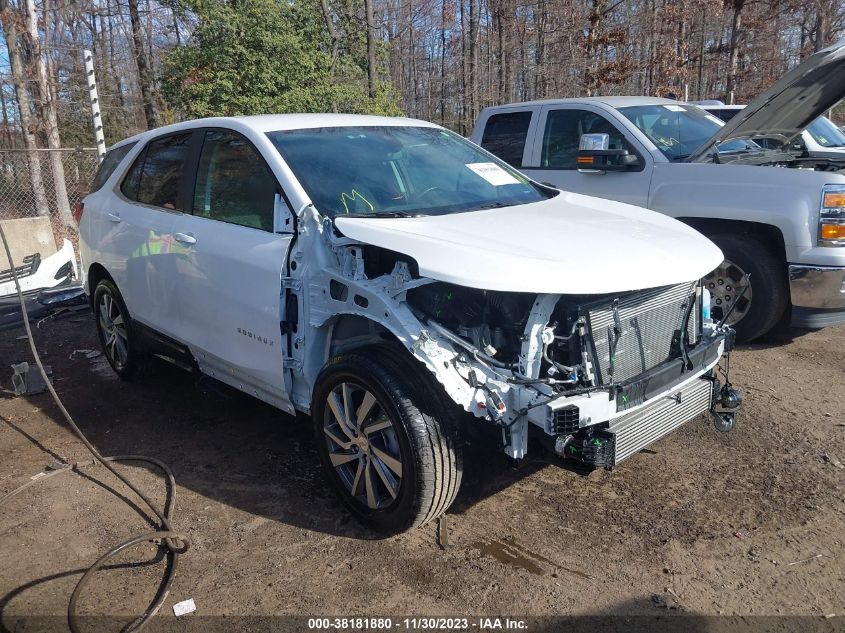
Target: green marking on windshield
355	196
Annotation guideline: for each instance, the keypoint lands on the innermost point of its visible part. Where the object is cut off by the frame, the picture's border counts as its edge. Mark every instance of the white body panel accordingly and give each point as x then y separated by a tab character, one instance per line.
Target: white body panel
227	282
627	248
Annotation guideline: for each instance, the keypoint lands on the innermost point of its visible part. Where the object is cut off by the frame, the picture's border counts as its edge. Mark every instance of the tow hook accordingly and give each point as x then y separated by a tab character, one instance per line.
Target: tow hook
724	421
730	399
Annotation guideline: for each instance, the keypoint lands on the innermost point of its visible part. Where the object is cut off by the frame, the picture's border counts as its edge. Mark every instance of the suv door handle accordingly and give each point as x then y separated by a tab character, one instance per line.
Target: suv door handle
114	217
185	238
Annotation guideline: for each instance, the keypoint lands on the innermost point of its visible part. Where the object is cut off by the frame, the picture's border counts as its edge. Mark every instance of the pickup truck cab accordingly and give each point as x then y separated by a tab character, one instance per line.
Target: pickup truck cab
403	288
782	230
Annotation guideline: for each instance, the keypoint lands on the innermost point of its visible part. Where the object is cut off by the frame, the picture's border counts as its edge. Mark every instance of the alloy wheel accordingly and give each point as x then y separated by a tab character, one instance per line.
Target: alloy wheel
363	445
726	284
113	328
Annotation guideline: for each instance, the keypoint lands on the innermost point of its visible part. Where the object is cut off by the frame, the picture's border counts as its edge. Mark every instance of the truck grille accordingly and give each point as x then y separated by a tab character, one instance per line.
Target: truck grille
635	431
648	323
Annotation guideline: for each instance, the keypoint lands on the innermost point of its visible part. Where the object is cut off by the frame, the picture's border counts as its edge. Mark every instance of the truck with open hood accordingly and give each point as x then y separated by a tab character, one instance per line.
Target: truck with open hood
403	288
777	212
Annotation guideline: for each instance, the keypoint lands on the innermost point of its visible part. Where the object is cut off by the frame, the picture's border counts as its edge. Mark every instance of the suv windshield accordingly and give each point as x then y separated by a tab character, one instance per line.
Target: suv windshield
678	130
826	133
399	170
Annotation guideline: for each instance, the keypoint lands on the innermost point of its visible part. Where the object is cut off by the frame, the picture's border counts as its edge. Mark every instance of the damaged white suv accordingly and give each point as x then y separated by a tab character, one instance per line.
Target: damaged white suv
403	287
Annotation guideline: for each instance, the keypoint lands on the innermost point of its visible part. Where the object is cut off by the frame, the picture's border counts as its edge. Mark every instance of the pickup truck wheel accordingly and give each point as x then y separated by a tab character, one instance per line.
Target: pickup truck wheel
766	296
384	442
114	329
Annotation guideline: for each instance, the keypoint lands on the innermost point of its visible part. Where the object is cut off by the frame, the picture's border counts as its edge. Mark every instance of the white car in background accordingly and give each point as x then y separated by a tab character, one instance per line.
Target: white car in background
820	139
403	287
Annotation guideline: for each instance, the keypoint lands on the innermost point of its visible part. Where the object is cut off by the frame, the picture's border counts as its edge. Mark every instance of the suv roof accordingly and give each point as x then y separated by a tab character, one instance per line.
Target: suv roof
263	123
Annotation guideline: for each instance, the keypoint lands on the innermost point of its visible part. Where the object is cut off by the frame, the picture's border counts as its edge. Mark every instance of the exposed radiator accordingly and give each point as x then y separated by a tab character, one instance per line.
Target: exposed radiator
635	431
647	322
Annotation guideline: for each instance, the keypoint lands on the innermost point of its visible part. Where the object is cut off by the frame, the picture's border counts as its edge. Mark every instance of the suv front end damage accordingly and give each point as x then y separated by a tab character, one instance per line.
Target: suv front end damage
595	378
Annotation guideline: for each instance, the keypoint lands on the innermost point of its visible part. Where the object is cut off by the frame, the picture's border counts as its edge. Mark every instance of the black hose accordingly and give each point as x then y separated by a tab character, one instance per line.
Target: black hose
175	542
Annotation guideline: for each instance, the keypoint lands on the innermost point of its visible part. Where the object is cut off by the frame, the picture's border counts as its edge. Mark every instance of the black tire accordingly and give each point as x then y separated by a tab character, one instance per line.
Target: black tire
126	366
423	433
770	291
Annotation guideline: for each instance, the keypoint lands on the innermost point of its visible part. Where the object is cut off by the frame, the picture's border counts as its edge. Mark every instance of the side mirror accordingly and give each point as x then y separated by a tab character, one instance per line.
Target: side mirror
595	157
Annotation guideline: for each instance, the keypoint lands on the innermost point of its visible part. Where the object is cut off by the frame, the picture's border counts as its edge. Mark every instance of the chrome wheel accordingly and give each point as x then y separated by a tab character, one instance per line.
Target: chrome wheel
113	327
725	284
363	446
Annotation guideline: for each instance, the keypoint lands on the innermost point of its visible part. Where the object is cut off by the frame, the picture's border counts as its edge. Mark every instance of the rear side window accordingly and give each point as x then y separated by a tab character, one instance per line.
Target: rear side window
110	162
156	175
234	184
505	134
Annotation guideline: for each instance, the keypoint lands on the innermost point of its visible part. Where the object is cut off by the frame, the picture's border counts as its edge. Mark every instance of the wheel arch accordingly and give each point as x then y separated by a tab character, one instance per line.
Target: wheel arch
96	273
768	234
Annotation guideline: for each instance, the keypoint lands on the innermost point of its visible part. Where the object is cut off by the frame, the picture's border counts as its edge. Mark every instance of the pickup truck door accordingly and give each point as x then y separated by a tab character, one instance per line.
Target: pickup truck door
555	149
229	281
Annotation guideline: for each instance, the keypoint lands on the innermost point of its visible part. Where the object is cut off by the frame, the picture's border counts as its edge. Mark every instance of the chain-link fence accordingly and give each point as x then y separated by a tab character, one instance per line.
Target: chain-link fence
47	183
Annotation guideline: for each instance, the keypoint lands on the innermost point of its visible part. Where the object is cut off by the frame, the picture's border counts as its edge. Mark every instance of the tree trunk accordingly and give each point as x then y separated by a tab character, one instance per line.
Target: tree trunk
443	63
473	61
10	32
332	29
145	78
733	54
371	48
50	122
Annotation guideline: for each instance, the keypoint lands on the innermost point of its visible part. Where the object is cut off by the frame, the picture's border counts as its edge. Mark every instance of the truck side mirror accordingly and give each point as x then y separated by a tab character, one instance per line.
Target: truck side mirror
595	157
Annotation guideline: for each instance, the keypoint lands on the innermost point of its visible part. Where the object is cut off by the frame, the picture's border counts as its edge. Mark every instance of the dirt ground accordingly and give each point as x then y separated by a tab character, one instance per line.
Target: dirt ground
746	523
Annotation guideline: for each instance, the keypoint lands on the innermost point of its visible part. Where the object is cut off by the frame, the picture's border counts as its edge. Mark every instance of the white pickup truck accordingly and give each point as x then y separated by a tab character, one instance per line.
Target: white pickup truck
782	231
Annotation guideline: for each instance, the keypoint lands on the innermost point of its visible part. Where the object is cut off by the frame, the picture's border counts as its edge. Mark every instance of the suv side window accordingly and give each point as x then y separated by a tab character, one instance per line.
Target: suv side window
563	136
156	174
233	182
505	134
110	162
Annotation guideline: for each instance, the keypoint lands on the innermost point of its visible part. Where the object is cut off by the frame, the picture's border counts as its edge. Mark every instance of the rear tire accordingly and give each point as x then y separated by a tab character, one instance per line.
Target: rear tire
769	296
399	465
114	329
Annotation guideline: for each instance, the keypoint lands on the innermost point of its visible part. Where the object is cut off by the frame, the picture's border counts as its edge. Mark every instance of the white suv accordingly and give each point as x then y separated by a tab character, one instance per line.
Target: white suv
403	287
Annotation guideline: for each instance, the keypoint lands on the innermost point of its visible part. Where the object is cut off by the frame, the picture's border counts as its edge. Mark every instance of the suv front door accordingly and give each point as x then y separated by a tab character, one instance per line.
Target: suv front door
554	156
230	275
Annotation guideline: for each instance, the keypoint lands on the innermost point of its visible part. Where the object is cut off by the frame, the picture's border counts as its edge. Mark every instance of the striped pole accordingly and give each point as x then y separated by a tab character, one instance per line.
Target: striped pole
95	104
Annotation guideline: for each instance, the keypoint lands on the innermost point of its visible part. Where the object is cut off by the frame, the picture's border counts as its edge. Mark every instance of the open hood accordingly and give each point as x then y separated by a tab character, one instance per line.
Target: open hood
569	244
783	111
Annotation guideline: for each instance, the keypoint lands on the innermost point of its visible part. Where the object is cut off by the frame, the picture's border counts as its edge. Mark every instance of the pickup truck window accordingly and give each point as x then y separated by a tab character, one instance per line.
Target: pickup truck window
399	170
676	130
234	184
826	133
505	134
563	136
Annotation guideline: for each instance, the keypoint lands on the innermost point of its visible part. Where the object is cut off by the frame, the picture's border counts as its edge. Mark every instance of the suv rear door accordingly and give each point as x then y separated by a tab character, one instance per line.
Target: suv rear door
555	150
235	236
136	245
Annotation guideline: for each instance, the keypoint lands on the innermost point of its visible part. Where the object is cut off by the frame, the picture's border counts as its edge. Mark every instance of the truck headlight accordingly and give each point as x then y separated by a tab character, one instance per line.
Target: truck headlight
832	216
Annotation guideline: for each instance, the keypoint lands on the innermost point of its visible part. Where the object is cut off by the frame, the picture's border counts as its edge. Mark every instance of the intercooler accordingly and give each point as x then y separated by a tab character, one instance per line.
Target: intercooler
635	431
634	333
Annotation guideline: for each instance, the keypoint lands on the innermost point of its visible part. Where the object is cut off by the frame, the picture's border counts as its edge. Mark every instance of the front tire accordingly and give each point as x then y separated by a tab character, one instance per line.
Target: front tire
386	440
114	329
767	297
